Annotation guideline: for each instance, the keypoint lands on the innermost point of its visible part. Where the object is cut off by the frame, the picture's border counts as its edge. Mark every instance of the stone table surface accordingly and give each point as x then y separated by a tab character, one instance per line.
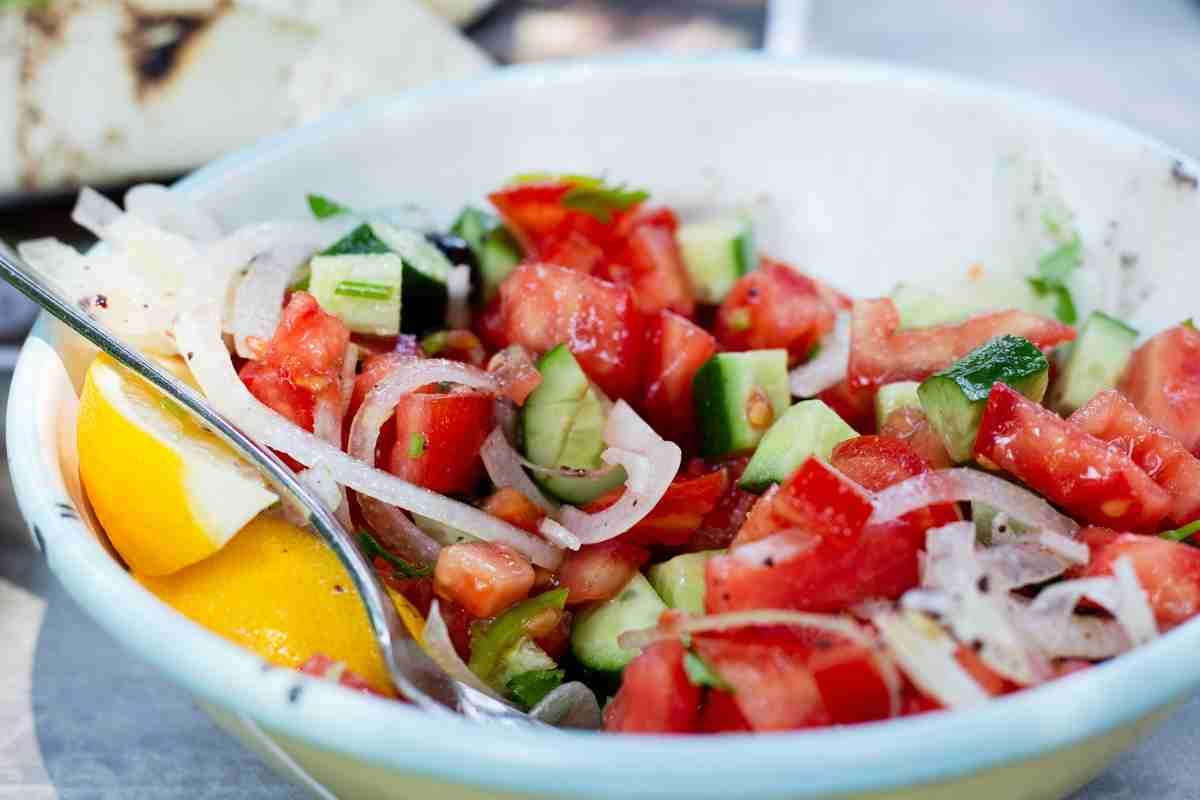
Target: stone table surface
81	718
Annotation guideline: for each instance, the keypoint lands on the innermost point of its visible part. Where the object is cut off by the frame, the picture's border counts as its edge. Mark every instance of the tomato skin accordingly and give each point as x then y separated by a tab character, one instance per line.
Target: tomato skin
659	279
991	681
1169	572
676	350
1163	381
855	406
851	685
374	369
677	515
438	437
1111	417
882	353
910	425
876	462
600	571
514	508
817	500
721	714
775	306
719	526
656	695
482	577
302	363
1091	479
543	306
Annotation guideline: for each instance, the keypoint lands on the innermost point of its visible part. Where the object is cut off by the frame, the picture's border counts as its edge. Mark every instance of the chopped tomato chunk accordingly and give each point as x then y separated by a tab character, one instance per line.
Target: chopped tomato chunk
1169	572
482	577
1092	479
852	686
882	353
910	425
545	227
514	508
656	271
721	714
302	363
599	571
678	514
438	437
656	695
876	462
775	306
515	372
855	406
1163	381
818	501
720	525
677	349
543	306
1109	416
374	369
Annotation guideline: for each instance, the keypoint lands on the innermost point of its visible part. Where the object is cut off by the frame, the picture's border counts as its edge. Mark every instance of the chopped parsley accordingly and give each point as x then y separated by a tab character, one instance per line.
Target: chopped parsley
529	688
416	445
1053	270
1180	534
321	206
589	194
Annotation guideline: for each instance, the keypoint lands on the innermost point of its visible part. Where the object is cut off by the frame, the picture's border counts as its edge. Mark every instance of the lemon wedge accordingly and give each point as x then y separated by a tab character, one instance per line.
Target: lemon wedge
167	492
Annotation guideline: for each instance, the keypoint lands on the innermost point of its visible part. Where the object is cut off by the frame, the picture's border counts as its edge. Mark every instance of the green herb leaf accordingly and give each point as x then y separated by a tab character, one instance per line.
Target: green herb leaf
1179	534
1053	271
700	674
435	343
322	207
361	241
416	445
601	201
555	177
364	290
1189	323
529	688
372	548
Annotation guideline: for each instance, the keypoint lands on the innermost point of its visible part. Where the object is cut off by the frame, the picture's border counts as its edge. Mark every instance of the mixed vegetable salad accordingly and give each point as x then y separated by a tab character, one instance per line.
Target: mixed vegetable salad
598	446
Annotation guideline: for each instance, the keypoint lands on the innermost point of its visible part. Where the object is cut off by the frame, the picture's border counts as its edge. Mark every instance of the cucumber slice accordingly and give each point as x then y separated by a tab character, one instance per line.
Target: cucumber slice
525	656
495	249
738	396
680	581
716	253
809	428
594	637
892	396
1095	363
363	291
921	307
563	426
954	398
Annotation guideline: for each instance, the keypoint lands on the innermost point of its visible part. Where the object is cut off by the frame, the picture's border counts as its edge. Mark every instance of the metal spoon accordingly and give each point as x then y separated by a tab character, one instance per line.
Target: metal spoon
413	672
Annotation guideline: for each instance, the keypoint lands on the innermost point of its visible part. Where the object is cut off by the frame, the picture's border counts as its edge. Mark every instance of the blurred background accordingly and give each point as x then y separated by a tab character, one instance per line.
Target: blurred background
110	92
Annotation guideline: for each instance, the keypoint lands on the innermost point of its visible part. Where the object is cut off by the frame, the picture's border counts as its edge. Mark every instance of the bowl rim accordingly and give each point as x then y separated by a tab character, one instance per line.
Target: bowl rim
903	752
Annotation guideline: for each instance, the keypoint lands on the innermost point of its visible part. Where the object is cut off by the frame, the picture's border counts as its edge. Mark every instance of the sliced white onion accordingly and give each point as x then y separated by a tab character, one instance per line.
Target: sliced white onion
1134	612
1070	550
829	366
198	334
171	211
458	290
714	623
962	485
926	653
437	643
627	433
572	705
349	376
556	533
95	212
1013	566
398	533
1121	595
503	465
321	483
1068	635
258	301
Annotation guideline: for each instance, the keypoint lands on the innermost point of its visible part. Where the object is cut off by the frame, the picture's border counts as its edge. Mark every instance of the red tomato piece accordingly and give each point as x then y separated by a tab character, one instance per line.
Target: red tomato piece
543	306
1109	416
721	714
1091	479
882	353
678	514
514	508
535	214
322	666
876	462
438	436
488	324
991	681
910	425
455	345
817	500
775	306
852	687
768	671
1163	381
855	406
656	695
482	577
1169	572
677	349
374	369
302	363
657	274
516	373
418	591
720	525
572	249
599	571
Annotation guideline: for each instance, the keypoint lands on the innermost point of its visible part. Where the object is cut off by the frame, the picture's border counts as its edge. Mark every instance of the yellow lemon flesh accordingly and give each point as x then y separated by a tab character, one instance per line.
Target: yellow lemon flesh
278	590
167	492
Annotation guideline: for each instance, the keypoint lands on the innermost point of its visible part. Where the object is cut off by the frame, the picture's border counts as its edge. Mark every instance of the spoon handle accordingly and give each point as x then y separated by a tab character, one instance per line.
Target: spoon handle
417	676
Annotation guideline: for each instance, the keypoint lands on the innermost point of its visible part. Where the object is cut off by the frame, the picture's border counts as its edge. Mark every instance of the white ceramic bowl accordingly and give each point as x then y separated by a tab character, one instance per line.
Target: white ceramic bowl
861	173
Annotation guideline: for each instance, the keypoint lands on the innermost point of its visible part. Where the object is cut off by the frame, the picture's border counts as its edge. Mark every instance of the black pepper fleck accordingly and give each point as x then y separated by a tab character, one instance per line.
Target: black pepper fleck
984	584
294	693
768	561
102	301
1182	178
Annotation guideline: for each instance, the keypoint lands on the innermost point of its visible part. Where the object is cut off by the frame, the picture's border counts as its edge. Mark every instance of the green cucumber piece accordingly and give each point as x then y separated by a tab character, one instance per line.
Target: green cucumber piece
738	396
809	428
594	636
363	291
716	253
892	396
495	249
1095	363
954	398
522	658
680	580
563	426
921	306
